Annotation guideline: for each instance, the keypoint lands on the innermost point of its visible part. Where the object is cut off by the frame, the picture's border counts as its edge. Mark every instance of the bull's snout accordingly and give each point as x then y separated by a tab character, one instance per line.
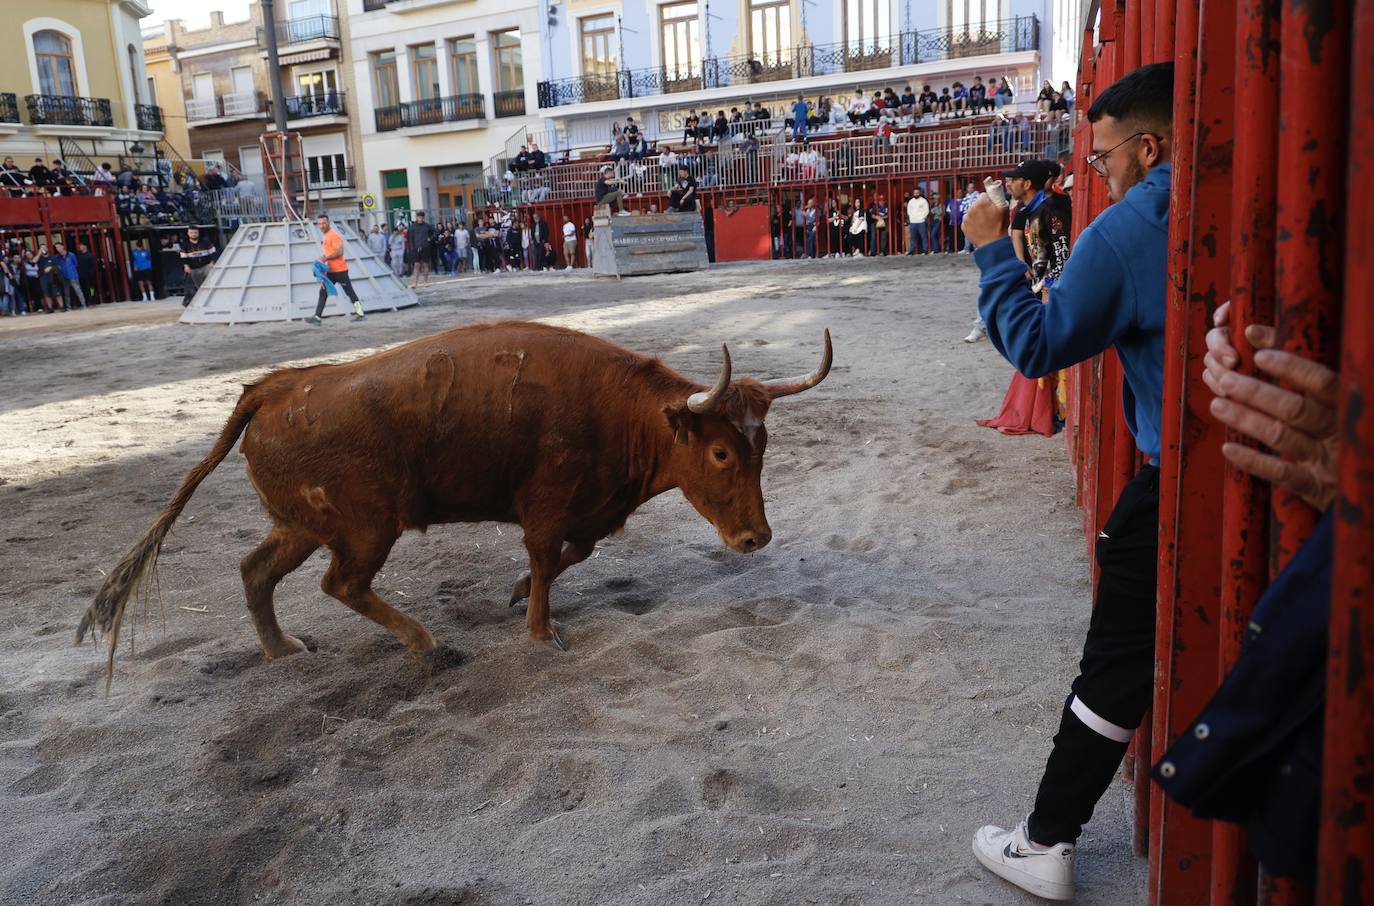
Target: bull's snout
750	541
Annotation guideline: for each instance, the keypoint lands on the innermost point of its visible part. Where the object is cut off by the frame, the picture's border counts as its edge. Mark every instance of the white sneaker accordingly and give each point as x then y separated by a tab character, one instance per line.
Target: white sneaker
974	335
624	214
1044	871
568	269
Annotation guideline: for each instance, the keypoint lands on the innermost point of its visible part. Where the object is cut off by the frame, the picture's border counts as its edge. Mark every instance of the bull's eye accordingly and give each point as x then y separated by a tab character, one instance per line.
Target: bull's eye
720	454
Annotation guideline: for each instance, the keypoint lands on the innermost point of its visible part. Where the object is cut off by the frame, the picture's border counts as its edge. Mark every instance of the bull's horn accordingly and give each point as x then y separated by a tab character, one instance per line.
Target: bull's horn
789	386
705	401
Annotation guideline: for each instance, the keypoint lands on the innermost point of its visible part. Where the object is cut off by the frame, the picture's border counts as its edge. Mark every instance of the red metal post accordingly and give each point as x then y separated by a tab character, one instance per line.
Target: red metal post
1245	500
1346	859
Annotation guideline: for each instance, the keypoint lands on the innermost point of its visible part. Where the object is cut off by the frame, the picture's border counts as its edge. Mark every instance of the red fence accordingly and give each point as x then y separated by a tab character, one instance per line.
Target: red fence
72	219
1259	216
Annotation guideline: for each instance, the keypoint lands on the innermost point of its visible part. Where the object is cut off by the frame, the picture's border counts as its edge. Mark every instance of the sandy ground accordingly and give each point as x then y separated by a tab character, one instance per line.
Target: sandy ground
826	721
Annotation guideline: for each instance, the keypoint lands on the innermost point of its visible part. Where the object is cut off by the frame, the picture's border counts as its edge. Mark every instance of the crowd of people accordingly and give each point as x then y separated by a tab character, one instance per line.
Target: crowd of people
46	279
173	197
498	241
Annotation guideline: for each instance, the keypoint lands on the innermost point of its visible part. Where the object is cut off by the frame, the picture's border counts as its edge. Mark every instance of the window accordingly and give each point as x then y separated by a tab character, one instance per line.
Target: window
770	31
510	71
203	86
326	170
303	9
250	160
133	71
463	58
974	16
152	90
680	31
384	79
241	78
599	57
866	25
56	70
317	84
424	71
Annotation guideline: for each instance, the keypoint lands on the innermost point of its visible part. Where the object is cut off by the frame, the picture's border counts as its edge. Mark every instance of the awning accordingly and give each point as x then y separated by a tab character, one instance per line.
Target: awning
309	56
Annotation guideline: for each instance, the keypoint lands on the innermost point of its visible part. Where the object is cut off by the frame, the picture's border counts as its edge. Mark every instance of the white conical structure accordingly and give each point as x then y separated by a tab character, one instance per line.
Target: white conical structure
266	274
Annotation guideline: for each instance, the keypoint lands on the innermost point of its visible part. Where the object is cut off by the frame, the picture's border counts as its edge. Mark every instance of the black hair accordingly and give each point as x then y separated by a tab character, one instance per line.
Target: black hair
1143	97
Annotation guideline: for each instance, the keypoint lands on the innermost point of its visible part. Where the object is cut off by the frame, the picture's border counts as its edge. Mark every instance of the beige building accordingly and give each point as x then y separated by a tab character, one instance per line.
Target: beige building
164	87
220	76
73	84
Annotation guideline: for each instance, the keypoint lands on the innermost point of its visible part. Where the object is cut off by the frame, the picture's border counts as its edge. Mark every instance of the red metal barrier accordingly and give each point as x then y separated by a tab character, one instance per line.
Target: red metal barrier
1258	215
72	219
1346	870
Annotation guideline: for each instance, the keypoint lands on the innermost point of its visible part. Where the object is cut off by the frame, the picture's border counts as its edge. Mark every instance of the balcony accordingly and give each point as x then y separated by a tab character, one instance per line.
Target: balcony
149	117
510	103
61	110
806	61
311	106
307	29
371	6
200	111
430	111
327	179
9	107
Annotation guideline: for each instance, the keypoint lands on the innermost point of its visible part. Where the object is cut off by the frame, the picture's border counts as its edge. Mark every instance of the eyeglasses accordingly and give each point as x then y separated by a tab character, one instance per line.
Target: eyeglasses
1097	161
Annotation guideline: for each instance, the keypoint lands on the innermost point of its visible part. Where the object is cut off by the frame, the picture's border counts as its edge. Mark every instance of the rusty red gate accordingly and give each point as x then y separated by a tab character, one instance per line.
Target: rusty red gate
1259	215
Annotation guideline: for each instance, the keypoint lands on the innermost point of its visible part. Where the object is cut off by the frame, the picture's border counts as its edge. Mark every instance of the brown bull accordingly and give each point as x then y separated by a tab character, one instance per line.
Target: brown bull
561	432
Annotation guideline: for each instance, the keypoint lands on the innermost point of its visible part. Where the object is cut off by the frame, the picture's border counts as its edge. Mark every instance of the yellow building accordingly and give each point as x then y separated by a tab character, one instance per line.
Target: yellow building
165	86
73	84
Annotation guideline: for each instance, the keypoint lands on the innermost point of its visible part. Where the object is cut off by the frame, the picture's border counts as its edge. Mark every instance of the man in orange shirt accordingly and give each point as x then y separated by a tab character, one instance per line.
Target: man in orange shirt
337	272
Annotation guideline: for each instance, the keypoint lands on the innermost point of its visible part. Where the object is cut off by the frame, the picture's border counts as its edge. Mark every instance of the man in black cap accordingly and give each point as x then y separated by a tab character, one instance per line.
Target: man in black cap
608	191
1025	187
422	248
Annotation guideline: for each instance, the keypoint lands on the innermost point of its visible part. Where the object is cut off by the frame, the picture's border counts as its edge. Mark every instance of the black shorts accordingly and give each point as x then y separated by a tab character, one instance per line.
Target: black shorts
143	275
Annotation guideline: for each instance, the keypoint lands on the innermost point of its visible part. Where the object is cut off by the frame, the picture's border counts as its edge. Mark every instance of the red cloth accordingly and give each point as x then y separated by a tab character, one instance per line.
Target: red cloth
1027	408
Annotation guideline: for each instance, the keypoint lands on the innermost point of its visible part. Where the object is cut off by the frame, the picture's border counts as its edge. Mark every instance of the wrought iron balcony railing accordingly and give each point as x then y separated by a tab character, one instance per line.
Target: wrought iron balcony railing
62	110
305	106
371	6
9	107
430	111
510	103
149	117
307	28
805	61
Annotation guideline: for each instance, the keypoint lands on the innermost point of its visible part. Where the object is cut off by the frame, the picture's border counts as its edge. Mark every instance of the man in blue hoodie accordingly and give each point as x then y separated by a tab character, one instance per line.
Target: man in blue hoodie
1111	294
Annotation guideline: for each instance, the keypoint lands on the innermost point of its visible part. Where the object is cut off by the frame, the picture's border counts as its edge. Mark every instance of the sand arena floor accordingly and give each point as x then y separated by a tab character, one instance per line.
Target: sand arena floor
826	721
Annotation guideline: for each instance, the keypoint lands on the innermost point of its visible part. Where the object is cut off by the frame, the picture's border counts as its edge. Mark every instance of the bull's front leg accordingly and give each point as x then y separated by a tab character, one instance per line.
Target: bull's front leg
574	552
544	562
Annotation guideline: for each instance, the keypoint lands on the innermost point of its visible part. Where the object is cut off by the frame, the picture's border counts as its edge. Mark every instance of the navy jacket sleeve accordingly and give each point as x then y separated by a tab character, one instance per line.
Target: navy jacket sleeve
1089	307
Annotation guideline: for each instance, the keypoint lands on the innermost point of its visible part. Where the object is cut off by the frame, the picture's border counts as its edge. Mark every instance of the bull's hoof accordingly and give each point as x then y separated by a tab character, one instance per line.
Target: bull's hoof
550	635
521	591
286	646
442	657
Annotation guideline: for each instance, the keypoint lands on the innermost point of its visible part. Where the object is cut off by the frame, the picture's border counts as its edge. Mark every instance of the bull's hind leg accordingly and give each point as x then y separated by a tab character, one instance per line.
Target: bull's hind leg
349	578
281	551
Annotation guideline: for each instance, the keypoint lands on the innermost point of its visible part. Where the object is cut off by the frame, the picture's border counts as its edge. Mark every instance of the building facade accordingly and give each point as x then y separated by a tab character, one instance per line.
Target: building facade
73	84
660	59
221	77
164	87
447	87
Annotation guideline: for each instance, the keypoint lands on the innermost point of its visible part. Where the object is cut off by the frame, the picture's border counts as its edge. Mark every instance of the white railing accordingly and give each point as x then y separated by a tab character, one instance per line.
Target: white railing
987	147
201	109
240	104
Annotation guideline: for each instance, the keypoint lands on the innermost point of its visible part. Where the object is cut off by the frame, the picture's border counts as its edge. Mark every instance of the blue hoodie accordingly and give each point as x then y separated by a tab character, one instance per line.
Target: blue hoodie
1111	293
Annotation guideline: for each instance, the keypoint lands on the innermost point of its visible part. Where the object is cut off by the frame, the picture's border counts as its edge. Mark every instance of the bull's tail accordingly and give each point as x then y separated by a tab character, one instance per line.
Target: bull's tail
131	573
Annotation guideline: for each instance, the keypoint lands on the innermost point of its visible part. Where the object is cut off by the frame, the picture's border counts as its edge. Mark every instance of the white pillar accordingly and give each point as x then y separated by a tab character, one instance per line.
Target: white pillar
403	74
486	71
446	89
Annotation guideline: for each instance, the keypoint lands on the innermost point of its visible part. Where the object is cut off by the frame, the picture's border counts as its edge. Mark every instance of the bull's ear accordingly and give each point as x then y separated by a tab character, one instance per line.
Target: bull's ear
681	420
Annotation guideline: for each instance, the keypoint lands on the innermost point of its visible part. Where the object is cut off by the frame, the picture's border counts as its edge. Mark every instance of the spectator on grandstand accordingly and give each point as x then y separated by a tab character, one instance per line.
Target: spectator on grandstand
103	178
39	175
1004	95
720	127
977	96
809	161
882	136
917	218
608	191
214	179
683	197
838	115
1066	96
859	107
62	179
959	99
1045	98
15	180
944	104
925	102
761	112
800	116
736	116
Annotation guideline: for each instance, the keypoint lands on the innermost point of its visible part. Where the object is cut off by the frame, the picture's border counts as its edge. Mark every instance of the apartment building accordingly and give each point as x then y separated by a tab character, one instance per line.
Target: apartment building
448	86
221	73
661	59
73	84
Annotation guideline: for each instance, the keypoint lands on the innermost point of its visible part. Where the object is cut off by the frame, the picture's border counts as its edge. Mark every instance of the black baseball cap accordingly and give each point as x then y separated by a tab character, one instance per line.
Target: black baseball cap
1037	171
